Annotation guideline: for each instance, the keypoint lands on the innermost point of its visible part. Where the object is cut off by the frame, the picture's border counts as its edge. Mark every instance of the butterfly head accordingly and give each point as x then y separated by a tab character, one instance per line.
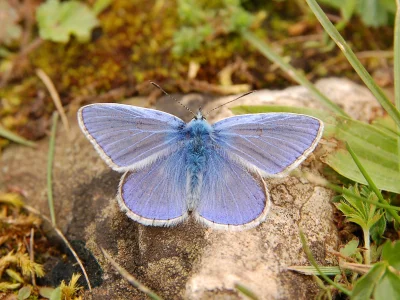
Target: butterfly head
199	116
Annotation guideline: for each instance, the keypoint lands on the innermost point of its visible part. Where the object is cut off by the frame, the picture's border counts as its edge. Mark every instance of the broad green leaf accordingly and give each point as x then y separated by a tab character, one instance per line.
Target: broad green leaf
347	10
384	177
376	149
58	20
56	294
390	5
372	12
365	285
388	287
101	5
391	253
24	293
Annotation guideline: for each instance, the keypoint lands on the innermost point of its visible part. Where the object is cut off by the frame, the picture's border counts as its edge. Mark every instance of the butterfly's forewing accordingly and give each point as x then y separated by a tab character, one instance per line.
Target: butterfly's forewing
156	194
275	143
231	197
128	137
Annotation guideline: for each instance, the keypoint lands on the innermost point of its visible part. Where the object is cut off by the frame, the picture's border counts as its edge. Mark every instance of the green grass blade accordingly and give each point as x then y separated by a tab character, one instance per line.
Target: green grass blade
310	270
50	159
9	135
396	67
351	57
397	56
371	183
245	291
296	75
315	265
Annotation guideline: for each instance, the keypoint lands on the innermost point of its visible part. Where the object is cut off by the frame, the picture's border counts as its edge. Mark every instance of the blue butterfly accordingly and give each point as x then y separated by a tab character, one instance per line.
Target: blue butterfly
212	172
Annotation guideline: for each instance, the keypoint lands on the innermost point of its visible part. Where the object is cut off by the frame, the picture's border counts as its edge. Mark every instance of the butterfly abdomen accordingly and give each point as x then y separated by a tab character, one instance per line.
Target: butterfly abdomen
198	148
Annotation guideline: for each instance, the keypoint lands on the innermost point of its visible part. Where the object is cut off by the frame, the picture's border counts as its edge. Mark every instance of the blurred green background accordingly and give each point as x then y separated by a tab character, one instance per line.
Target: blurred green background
104	50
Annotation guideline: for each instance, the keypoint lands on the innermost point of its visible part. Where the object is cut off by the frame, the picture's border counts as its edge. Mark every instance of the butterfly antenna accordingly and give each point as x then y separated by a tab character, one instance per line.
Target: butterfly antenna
248	93
161	89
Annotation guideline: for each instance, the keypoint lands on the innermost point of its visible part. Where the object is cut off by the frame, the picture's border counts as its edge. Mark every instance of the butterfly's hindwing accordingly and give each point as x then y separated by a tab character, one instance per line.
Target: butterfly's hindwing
156	194
231	197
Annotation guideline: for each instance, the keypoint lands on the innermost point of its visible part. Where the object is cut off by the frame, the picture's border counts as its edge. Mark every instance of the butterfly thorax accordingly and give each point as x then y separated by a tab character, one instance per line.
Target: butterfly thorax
198	139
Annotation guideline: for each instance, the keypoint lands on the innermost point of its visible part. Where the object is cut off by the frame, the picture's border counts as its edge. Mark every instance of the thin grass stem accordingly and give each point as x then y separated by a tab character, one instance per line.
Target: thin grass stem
352	58
315	265
62	236
132	280
55	97
50	160
9	135
291	71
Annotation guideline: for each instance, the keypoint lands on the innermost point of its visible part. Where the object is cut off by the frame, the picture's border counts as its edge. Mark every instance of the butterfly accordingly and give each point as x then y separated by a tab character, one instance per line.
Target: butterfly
215	173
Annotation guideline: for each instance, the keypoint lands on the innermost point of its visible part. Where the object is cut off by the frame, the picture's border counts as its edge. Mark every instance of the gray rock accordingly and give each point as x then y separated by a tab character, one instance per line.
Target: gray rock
187	261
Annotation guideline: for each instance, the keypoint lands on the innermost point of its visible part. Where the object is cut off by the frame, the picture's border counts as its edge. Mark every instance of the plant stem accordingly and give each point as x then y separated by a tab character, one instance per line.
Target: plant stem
50	168
367	251
291	71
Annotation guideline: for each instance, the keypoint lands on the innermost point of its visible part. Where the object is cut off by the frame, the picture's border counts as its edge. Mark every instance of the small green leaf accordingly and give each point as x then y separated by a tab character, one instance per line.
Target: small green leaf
376	252
14	275
56	294
378	229
57	21
391	253
24	293
365	285
388	287
351	248
100	5
46	292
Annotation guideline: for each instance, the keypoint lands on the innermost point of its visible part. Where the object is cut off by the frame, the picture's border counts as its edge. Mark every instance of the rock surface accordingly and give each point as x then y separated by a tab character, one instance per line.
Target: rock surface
187	261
